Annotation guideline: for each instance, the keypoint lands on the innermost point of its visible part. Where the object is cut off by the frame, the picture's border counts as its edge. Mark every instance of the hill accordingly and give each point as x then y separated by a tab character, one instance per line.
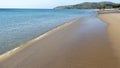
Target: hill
89	5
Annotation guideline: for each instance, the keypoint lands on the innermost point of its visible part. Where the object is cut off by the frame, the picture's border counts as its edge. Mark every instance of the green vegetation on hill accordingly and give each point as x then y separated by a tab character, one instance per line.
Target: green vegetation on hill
90	5
116	5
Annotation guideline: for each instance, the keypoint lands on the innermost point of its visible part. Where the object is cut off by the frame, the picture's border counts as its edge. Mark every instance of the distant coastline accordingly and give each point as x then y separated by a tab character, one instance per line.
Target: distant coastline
91	5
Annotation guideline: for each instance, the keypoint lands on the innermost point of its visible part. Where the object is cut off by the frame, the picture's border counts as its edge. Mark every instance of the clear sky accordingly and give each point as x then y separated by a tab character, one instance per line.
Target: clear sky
43	3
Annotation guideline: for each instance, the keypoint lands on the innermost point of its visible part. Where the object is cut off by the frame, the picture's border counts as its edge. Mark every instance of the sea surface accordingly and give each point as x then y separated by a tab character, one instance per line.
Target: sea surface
18	26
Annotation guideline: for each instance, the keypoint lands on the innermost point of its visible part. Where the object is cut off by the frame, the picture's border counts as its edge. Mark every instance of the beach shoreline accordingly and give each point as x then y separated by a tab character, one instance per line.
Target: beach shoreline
80	43
23	25
12	52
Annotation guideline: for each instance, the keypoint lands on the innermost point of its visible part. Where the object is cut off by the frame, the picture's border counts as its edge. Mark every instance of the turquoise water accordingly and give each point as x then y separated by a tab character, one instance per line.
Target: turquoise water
18	26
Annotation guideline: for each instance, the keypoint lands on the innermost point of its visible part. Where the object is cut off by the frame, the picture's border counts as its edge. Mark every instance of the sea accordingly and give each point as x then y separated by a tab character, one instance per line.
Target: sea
18	26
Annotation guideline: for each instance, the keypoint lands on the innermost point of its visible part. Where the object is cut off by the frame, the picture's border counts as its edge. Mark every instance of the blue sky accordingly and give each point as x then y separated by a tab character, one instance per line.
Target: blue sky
42	3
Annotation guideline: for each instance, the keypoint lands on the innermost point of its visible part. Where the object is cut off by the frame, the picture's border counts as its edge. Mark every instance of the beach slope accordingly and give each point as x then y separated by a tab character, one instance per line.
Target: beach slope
82	43
113	21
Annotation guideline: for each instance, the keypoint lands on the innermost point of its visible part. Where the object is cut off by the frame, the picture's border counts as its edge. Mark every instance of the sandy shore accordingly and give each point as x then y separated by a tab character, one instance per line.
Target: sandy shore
82	43
113	20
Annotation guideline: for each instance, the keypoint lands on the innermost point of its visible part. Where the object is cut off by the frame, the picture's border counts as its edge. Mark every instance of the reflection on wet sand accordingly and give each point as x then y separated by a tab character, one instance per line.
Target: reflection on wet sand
82	44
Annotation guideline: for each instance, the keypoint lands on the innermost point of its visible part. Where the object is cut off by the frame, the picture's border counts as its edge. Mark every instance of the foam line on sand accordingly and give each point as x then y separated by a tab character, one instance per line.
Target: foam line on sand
15	50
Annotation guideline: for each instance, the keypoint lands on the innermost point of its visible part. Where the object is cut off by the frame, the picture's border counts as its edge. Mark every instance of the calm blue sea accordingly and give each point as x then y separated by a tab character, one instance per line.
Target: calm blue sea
18	26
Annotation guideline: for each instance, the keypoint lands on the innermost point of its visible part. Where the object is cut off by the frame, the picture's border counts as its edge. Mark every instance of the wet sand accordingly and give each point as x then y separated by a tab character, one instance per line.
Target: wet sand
113	20
82	43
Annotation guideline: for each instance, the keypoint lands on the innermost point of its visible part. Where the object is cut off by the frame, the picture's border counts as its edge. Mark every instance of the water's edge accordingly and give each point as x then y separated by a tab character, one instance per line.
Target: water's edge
12	52
20	26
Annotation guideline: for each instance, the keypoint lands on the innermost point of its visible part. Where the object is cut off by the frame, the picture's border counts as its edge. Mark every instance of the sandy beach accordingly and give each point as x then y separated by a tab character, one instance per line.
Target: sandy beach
82	43
113	21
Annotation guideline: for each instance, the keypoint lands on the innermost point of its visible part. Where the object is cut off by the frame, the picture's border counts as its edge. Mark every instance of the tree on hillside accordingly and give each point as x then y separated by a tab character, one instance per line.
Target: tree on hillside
116	5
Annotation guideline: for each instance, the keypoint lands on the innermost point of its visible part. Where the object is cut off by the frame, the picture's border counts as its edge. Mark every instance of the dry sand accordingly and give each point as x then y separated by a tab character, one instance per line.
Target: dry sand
82	43
113	20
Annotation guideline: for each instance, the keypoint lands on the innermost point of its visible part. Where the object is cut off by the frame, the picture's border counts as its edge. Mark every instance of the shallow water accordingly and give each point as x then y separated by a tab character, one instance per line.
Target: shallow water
19	26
